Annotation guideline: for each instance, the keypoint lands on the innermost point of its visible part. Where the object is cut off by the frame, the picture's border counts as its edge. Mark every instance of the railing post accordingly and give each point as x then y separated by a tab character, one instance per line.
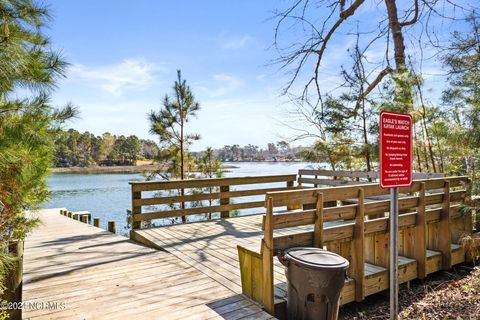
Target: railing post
359	242
445	239
318	227
111	226
225	201
468	226
84	218
420	247
96	222
70	214
135	208
290	185
267	259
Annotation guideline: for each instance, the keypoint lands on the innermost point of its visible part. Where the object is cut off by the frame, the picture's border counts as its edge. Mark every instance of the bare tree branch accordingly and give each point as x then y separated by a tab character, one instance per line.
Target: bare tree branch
378	79
415	16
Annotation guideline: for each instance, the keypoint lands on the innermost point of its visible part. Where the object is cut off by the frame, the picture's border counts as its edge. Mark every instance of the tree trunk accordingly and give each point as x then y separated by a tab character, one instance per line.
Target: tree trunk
182	166
365	139
417	151
440	153
424	148
397	35
428	139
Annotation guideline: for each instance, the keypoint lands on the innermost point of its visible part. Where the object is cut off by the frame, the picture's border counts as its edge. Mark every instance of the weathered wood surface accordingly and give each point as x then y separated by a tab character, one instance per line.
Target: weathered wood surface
95	274
212	247
219	192
363	243
338	178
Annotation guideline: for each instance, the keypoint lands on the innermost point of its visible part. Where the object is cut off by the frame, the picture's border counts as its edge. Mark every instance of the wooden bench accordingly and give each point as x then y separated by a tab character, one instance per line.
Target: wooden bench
343	229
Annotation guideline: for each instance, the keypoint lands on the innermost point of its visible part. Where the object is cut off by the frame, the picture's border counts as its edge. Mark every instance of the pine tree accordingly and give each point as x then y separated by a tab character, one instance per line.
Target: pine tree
27	126
169	124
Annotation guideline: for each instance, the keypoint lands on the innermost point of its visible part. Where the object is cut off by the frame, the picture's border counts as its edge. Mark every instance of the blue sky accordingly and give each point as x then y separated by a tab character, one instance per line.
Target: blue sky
125	54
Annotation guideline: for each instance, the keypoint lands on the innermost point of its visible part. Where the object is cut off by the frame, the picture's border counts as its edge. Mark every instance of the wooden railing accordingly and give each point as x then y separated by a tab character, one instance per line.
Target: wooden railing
316	178
430	230
204	189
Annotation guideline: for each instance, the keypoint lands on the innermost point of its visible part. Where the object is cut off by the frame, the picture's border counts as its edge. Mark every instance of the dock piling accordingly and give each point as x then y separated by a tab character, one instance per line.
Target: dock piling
111	227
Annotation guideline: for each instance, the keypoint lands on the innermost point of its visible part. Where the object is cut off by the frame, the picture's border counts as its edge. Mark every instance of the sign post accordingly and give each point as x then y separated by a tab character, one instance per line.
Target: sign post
395	172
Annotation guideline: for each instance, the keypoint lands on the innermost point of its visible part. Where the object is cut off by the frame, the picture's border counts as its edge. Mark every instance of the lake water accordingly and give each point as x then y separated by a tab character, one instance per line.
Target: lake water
108	196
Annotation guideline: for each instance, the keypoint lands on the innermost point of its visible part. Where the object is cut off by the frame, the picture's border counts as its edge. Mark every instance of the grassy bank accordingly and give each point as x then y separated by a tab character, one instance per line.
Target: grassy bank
117	169
111	169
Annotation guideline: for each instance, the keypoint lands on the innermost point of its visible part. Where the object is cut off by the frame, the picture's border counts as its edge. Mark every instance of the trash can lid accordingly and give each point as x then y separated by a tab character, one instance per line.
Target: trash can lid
316	258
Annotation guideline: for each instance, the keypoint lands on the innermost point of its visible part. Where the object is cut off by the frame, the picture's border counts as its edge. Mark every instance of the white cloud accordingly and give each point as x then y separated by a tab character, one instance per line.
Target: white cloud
260	77
227	83
130	74
237	43
221	85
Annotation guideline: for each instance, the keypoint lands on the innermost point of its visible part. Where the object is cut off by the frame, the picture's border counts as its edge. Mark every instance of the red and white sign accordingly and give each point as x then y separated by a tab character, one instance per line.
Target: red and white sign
395	150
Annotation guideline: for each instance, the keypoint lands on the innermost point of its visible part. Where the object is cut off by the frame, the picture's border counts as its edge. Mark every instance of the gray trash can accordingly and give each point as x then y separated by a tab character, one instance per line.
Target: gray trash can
315	280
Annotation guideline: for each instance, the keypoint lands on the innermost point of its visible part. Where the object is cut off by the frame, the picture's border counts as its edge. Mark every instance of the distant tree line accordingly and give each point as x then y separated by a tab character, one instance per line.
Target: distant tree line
279	151
73	148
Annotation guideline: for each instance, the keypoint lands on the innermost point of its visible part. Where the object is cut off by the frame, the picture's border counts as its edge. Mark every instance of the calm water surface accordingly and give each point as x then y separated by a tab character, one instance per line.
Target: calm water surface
108	196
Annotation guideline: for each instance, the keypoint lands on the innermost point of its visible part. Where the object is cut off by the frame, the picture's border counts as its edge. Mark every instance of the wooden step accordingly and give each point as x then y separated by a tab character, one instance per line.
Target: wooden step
434	258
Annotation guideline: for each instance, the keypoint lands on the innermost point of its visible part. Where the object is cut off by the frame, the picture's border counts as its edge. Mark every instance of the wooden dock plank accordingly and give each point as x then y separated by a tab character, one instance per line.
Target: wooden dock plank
95	274
211	248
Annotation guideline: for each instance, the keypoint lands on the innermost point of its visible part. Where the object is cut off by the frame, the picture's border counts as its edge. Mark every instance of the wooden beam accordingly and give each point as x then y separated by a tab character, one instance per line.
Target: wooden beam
290	186
358	255
136	210
96	222
224	201
200	183
205	196
445	239
197	210
420	248
330	182
267	259
318	226
292	219
340	173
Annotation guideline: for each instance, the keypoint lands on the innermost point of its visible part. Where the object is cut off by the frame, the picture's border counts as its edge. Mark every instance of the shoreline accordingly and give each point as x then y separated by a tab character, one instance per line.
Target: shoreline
109	169
139	169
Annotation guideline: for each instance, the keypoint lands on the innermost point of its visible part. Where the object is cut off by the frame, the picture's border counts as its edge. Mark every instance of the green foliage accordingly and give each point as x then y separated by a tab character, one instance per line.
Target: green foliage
458	130
28	126
169	124
73	148
337	152
210	166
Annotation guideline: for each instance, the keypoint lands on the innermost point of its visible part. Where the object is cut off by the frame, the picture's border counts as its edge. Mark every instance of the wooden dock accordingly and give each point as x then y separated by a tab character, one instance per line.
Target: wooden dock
239	252
212	246
76	271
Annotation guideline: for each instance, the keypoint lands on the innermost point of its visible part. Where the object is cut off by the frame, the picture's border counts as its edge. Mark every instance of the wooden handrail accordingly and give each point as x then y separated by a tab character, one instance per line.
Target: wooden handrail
224	193
361	174
138	186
